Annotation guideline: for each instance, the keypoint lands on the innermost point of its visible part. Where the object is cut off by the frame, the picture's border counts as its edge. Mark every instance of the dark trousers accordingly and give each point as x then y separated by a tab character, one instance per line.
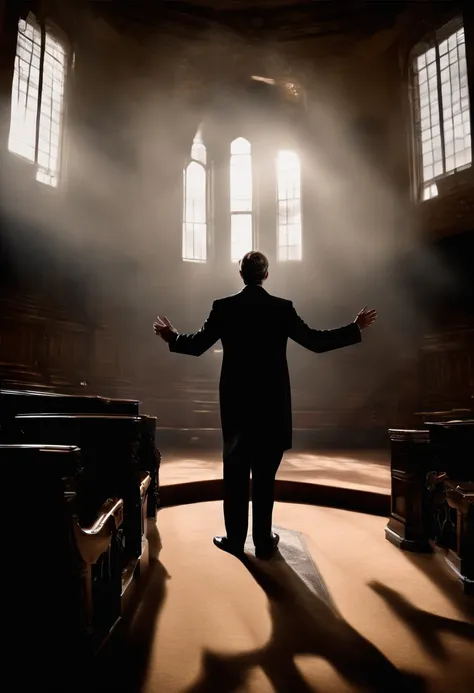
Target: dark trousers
263	462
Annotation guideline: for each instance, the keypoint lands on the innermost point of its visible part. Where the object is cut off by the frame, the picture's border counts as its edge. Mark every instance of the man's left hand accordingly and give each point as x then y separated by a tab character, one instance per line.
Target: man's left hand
365	318
164	329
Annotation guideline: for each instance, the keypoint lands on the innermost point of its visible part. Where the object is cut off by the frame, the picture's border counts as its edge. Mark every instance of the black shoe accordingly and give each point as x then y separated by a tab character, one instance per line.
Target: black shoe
224	544
266	551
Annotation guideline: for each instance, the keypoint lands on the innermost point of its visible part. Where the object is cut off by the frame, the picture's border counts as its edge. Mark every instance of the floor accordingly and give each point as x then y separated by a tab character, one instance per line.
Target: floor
208	624
367	470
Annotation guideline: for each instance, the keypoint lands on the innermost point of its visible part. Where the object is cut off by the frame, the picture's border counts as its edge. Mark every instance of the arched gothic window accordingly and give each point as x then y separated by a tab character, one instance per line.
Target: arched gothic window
289	234
195	204
241	198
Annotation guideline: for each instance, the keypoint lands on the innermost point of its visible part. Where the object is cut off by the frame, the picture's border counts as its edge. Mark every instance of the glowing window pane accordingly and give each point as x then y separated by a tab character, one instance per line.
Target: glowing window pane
241	177
38	139
195	213
443	119
241	236
289	234
430	190
240	146
241	198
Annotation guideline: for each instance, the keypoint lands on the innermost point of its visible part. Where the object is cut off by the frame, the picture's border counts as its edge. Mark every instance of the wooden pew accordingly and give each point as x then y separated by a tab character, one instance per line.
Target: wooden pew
119	460
61	579
433	493
17	402
110	447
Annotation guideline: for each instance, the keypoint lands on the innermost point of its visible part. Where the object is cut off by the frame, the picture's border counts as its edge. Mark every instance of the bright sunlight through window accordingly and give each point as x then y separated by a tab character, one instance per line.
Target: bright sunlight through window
442	110
38	99
241	228
195	205
289	239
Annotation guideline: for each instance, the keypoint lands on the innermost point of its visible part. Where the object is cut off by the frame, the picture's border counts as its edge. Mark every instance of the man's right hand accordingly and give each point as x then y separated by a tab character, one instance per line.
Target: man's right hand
165	329
366	318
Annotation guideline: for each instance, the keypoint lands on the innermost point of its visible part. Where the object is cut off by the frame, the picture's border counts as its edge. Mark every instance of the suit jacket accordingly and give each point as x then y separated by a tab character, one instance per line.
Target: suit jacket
254	389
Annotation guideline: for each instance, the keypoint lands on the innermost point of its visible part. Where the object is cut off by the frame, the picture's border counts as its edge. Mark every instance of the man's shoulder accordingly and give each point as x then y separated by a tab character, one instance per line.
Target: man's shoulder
283	302
240	296
220	301
227	299
219	304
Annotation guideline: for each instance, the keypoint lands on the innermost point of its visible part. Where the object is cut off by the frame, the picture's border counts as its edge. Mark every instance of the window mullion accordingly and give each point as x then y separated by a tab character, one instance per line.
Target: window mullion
417	155
40	88
440	105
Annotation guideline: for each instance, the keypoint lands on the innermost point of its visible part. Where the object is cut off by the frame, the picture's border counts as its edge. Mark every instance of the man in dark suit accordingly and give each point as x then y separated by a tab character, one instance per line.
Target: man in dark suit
255	393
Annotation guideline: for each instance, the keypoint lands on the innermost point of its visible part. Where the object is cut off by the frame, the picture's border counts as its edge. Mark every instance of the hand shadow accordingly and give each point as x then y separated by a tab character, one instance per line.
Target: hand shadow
303	624
426	627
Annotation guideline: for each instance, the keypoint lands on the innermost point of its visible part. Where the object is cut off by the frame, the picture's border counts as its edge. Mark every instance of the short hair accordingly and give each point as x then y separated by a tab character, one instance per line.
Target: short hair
254	267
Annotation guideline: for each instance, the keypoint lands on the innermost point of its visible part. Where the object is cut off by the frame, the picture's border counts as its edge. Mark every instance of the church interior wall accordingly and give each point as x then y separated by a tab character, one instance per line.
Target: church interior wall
86	266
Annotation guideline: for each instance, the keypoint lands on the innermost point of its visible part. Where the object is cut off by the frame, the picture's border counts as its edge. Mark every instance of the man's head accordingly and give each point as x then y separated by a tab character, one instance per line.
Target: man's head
254	267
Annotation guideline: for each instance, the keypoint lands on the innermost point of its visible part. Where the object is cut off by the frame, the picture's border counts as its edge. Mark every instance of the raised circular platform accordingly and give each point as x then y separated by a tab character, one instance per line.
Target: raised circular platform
353	480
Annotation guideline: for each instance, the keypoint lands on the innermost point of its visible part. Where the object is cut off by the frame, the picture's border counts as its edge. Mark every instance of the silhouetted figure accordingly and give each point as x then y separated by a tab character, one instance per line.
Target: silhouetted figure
255	394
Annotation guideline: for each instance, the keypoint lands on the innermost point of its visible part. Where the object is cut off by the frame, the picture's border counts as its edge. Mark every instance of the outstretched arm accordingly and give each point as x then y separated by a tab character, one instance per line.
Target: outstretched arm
320	341
192	344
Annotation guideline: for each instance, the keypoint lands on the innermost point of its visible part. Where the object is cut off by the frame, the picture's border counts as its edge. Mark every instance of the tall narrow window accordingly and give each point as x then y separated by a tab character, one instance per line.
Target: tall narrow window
441	108
38	99
195	204
289	239
241	228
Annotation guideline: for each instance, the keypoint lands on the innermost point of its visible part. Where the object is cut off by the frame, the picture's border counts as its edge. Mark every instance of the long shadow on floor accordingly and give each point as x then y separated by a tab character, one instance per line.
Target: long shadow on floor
123	664
433	566
303	624
427	627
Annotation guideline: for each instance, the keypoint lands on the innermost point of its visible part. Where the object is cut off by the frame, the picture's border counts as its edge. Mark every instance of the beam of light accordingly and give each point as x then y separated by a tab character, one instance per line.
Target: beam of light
120	223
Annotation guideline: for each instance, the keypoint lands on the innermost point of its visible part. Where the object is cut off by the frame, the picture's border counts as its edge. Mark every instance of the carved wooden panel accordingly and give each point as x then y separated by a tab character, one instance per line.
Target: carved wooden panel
40	349
447	370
